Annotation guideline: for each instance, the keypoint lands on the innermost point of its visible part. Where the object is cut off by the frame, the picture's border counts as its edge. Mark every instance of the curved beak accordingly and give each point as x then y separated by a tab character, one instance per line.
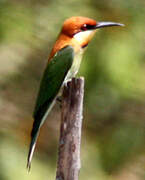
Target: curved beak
107	24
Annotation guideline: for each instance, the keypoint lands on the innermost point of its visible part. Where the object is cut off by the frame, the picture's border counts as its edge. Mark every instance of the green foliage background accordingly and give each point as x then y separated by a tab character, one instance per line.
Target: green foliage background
113	137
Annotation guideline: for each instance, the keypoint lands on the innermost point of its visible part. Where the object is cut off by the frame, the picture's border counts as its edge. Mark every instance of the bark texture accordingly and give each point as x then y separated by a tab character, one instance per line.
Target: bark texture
68	165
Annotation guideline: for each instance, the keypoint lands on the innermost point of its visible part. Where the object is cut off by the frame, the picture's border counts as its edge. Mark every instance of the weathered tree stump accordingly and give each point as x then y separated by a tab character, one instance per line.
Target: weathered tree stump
68	165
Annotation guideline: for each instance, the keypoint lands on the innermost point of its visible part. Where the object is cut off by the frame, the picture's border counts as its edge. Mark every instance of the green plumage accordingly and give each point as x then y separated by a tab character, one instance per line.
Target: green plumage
52	80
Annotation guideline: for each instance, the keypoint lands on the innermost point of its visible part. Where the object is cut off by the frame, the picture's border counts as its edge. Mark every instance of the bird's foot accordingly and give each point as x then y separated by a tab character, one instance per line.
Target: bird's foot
59	99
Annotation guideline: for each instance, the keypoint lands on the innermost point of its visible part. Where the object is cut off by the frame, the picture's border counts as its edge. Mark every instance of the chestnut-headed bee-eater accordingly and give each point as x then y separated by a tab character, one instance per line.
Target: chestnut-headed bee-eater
63	64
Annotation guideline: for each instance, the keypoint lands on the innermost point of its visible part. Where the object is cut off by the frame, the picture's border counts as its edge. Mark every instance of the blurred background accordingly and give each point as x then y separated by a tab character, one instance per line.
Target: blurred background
113	135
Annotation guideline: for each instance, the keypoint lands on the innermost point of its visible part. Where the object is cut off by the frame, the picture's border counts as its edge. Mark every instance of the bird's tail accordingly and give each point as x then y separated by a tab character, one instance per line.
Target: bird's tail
34	137
35	132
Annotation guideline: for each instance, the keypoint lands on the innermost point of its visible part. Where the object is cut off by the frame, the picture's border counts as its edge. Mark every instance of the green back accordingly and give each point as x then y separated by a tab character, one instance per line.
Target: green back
52	80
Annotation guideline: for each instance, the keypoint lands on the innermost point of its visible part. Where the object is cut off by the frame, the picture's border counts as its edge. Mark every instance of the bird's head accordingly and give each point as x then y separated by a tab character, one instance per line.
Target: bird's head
83	28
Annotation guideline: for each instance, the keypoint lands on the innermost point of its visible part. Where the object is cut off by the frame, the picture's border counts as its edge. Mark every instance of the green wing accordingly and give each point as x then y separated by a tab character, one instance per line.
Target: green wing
52	80
50	85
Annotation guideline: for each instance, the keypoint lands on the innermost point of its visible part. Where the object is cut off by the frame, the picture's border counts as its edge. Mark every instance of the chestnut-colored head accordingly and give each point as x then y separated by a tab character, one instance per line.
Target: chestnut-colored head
82	29
78	24
77	31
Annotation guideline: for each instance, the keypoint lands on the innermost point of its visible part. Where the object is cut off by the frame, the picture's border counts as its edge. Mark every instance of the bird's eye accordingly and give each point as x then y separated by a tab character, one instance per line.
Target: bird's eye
86	27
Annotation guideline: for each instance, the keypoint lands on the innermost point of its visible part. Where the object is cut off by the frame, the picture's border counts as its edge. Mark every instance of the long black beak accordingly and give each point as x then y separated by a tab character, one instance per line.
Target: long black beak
107	24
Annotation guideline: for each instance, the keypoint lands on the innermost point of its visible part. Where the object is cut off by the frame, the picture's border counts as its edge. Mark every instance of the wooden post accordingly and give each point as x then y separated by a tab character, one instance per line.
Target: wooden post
68	165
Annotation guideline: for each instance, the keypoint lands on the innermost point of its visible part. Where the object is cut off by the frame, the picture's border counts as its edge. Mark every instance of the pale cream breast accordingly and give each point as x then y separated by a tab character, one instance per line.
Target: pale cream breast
76	65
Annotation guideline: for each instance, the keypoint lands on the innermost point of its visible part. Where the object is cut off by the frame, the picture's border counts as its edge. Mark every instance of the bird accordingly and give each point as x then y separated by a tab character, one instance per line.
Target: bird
63	64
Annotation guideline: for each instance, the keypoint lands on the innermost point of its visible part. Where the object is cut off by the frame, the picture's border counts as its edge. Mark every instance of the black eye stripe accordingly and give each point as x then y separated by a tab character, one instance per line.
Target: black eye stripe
88	27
